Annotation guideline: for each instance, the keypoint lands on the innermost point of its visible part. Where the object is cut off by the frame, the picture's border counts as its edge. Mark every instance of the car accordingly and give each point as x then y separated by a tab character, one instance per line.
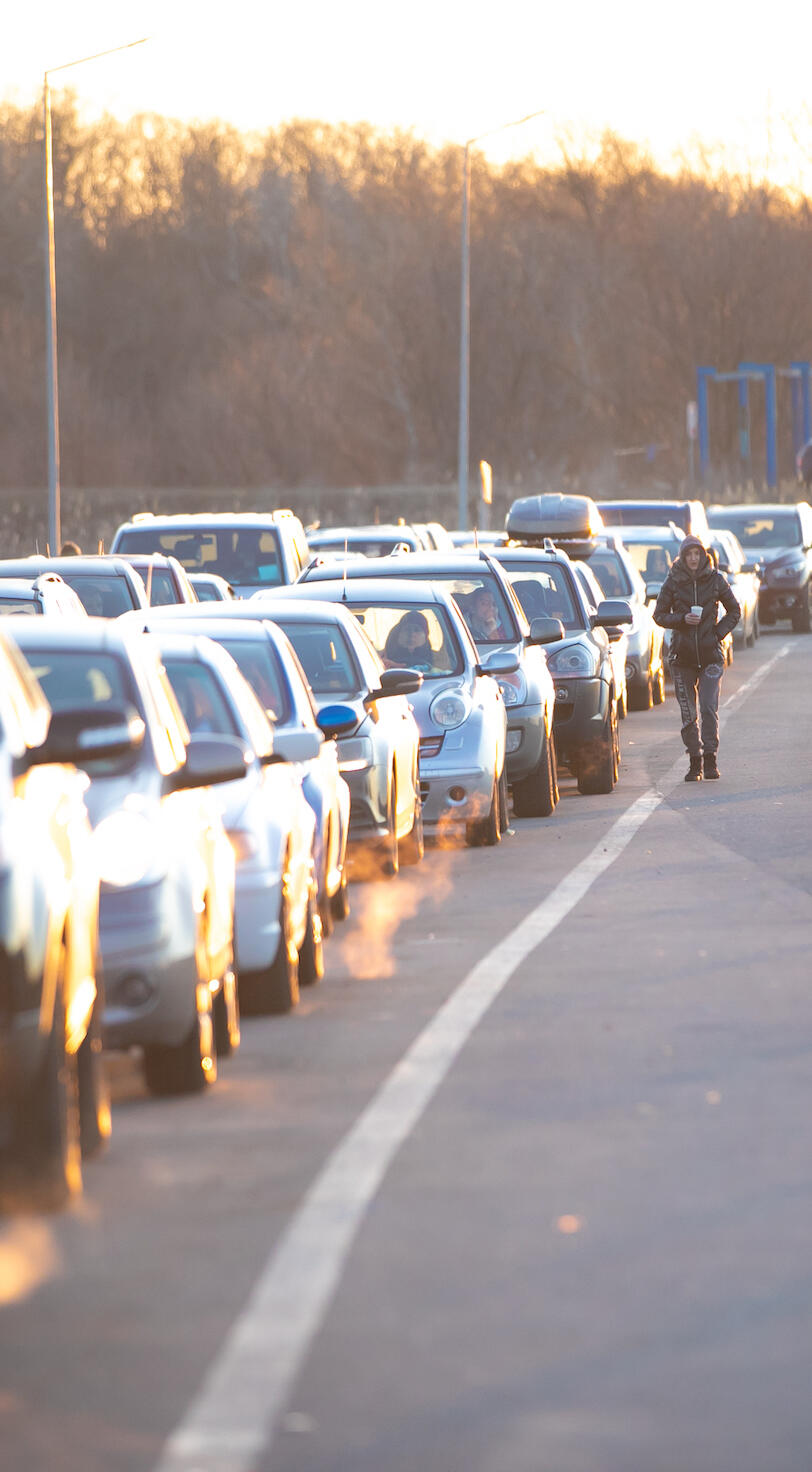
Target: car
370	541
575	524
459	707
163	577
777	541
48	593
433	536
54	1106
366	709
580	661
746	585
250	549
690	516
271	826
529	695
266	659
166	906
209	588
618	640
106	586
653	550
476	539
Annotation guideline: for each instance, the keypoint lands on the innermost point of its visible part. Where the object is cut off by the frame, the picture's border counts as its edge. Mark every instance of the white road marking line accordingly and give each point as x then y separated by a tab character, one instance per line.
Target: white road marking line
232	1420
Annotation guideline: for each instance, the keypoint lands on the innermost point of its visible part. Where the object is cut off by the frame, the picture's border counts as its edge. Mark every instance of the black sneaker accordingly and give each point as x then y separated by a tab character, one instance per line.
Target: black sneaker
710	770
694	772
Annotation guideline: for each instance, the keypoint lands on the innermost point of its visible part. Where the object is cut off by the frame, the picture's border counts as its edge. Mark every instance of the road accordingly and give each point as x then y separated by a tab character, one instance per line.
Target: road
524	1185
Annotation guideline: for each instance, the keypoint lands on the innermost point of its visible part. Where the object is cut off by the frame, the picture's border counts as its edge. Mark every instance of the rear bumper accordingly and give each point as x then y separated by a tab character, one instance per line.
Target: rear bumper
149	964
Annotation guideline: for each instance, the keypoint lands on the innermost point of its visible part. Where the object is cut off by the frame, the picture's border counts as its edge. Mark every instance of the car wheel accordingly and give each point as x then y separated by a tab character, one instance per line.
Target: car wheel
486	832
802	617
598	764
311	954
537	794
325	908
413	846
504	810
227	1016
43	1166
641	697
658	688
389	859
340	902
274	990
94	1093
623	704
187	1067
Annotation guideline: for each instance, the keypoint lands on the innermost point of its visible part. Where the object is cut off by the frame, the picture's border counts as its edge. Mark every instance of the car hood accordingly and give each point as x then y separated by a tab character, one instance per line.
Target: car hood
771	559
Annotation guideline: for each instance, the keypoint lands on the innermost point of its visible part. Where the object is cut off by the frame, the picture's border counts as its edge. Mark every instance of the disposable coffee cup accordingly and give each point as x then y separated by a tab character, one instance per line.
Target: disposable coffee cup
696	609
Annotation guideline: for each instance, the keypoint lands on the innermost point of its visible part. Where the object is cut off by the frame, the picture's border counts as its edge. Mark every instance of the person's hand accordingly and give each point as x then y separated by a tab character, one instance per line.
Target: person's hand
693	618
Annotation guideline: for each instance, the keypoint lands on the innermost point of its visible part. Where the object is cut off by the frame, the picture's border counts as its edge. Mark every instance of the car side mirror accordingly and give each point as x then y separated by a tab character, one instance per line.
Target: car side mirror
336	720
498	664
209	761
395	682
751	567
653	590
296	746
545	631
612	611
89	734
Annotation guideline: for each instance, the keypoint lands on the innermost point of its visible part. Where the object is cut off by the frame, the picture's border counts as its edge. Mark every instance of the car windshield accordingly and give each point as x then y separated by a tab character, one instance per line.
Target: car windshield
325	656
610	572
75	679
644	512
761	529
545	593
160	586
412	636
246	556
103	595
18	605
197	691
259	665
367	546
652	559
483	605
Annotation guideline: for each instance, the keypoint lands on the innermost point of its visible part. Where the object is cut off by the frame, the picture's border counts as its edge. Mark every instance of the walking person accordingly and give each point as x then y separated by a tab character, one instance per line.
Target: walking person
688	605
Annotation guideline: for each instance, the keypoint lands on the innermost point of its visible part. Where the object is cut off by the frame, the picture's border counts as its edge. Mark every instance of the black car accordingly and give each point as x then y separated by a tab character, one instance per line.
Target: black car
585	720
777	542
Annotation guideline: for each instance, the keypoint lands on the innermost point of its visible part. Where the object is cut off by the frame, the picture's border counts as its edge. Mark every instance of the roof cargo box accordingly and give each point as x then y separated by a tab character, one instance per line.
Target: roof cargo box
561	518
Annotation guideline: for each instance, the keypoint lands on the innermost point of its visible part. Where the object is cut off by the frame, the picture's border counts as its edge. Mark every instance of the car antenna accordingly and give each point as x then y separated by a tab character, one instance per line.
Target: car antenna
476	538
344	580
101	546
149	583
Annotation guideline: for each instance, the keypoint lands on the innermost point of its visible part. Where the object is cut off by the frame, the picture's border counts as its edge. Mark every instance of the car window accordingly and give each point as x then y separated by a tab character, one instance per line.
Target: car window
160	586
103	596
411	636
653	560
762	529
255	719
545	593
18	605
75	679
325	656
367	546
610	572
483	605
244	556
197	691
258	664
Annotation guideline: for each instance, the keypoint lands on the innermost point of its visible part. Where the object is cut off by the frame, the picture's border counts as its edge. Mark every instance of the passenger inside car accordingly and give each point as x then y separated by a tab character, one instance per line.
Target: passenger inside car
408	644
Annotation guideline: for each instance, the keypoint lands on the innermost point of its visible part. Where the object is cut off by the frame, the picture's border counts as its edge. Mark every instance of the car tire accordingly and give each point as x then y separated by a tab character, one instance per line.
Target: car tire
274	990
340	902
486	832
94	1092
623	704
658	687
43	1167
413	846
190	1066
227	1017
504	809
389	854
537	794
802	617
598	764
641	697
325	908
311	952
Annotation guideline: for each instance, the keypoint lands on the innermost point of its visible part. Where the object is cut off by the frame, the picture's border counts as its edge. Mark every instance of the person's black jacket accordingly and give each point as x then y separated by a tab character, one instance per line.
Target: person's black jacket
696	645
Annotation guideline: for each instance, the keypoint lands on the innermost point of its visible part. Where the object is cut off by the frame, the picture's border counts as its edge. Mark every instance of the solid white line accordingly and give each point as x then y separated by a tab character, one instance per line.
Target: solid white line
233	1418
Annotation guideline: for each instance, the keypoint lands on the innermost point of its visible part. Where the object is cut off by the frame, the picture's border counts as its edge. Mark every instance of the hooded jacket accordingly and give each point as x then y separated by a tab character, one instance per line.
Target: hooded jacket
696	645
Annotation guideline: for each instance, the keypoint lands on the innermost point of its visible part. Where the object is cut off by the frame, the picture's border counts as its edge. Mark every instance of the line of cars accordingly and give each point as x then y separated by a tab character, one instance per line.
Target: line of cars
226	764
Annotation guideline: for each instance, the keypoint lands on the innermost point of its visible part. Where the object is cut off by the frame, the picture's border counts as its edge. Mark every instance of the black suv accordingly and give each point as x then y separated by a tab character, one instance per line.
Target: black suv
777	542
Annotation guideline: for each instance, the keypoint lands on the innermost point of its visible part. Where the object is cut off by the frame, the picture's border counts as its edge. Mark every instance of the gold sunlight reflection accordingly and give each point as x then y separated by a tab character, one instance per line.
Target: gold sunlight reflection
28	1257
569	1225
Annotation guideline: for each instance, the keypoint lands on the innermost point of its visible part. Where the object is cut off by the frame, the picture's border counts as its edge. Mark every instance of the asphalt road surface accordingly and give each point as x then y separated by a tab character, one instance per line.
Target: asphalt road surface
523	1186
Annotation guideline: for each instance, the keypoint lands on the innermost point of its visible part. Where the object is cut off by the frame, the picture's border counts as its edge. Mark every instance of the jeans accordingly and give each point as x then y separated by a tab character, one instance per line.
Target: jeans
706	683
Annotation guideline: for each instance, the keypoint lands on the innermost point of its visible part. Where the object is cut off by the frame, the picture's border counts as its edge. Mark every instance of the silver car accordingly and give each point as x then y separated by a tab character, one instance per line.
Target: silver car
459	707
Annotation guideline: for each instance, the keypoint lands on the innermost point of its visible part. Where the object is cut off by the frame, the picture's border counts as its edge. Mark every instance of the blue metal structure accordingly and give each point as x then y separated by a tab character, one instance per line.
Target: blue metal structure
800	375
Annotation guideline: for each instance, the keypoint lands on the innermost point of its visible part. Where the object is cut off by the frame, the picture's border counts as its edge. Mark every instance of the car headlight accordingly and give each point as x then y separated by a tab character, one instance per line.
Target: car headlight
449	709
513	688
792	574
574	662
354	753
125	848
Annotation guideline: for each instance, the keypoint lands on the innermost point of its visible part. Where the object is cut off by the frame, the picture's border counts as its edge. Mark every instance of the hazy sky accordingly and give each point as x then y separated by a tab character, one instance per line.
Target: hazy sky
663	74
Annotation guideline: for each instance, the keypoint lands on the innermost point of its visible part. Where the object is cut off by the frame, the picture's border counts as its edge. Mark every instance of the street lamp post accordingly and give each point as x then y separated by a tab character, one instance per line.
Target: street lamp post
51	370
463	435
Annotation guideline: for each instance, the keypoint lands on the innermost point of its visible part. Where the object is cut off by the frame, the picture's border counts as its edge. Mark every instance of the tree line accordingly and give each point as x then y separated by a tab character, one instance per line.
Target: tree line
283	310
